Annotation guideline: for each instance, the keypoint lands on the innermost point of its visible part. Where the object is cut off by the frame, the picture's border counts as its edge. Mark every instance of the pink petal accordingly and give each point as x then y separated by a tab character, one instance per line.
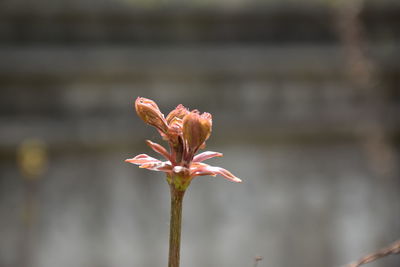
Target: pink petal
157	166
206	155
227	174
141	159
202	173
200	169
147	162
159	149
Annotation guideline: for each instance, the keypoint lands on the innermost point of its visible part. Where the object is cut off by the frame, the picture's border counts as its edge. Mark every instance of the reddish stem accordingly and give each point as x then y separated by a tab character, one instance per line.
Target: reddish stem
175	226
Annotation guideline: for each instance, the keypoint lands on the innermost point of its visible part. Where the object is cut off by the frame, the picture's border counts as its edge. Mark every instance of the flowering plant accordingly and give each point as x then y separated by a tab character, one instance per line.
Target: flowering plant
186	132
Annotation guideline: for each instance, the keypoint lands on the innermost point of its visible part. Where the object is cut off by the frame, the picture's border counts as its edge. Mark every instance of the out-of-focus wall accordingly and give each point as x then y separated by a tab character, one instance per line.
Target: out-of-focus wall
317	152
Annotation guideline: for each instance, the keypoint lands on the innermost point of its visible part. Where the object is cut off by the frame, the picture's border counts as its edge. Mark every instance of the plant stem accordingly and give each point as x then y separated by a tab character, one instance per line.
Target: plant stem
175	226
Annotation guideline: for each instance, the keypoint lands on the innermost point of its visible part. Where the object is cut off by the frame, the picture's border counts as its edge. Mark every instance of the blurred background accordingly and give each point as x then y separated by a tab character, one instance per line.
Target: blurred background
305	104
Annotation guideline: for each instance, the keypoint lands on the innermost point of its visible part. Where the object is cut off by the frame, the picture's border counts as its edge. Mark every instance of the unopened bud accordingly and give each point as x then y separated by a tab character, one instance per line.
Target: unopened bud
178	113
196	129
149	112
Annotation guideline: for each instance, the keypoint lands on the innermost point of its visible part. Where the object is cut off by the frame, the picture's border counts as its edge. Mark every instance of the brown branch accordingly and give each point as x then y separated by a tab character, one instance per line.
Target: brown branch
392	249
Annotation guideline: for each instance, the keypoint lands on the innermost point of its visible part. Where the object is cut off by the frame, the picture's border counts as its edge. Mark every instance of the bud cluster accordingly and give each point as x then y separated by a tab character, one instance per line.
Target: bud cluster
186	132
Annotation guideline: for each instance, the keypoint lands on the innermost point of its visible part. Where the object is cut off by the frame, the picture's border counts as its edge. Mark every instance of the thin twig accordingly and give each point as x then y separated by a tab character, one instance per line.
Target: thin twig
392	249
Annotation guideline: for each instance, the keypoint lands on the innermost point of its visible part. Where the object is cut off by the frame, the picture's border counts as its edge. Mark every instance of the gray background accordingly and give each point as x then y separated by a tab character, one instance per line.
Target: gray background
311	133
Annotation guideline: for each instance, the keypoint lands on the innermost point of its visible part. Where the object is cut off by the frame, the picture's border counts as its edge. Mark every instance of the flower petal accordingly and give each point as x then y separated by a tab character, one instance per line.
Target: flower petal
147	162
159	149
141	159
206	155
157	166
227	174
200	169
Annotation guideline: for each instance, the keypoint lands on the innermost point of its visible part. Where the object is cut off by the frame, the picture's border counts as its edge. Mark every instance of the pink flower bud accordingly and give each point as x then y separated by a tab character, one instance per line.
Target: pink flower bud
149	112
196	129
178	113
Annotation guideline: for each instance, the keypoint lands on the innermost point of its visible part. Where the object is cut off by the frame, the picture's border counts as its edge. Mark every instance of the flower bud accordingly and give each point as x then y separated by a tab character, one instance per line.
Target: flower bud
175	127
196	129
149	112
178	113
